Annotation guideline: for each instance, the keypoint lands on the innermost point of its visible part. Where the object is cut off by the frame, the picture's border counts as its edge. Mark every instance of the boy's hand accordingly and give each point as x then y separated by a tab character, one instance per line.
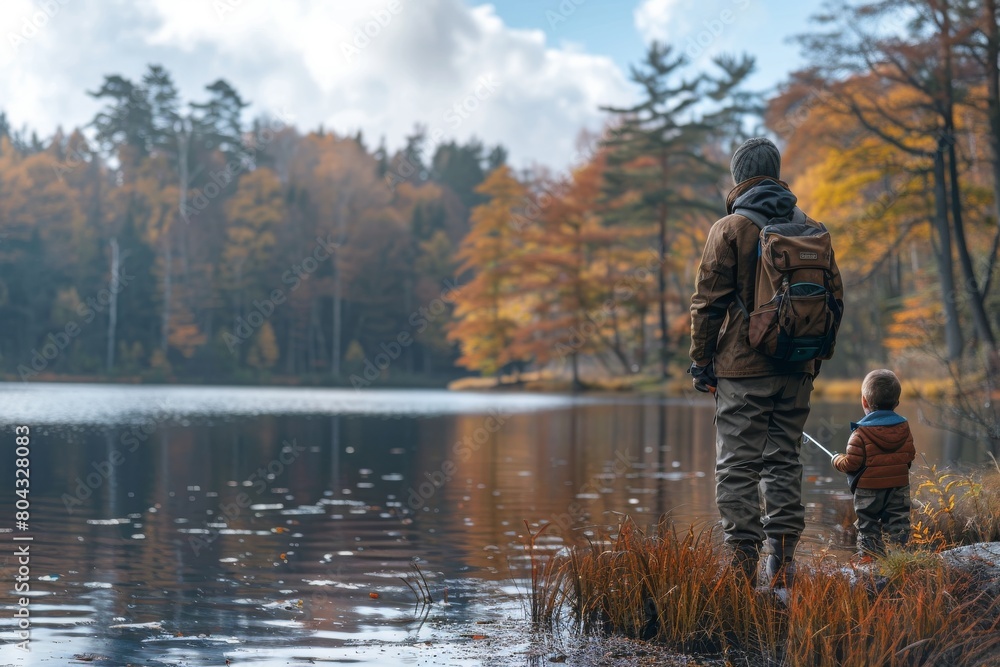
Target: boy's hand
835	458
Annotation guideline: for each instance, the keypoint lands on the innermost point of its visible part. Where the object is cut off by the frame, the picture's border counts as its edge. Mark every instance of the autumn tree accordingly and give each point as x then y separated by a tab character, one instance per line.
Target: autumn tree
252	216
559	268
488	308
912	46
660	165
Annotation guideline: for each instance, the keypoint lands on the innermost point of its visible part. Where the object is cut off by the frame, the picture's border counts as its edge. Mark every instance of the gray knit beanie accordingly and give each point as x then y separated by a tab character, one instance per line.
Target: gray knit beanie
756	157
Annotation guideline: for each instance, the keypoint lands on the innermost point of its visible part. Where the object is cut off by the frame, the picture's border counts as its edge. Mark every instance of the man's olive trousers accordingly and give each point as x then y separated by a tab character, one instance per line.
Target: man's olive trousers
759	424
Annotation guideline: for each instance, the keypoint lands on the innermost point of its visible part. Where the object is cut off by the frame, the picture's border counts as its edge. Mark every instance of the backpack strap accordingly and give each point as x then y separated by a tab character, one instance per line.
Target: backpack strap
760	221
753	216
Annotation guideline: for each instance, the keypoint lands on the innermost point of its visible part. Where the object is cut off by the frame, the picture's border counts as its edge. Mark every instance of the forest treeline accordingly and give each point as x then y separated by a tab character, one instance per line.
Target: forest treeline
166	241
180	242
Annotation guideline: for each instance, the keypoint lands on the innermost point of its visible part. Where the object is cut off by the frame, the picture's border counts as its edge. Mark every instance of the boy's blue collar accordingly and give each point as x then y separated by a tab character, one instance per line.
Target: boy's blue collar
879	418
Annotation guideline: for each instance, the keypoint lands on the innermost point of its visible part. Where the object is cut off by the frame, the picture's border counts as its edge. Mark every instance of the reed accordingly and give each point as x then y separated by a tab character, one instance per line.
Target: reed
953	508
674	586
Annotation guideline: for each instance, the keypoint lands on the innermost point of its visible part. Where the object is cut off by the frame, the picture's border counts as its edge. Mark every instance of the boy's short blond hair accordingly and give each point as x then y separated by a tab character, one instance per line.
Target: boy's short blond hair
881	389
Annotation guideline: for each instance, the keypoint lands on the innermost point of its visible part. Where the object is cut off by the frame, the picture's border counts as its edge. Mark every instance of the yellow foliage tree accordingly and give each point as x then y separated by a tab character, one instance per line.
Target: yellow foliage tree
264	351
487	308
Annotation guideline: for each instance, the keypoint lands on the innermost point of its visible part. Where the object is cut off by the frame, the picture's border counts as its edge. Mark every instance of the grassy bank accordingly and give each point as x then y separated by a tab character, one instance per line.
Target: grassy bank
348	380
674	587
547	381
679	384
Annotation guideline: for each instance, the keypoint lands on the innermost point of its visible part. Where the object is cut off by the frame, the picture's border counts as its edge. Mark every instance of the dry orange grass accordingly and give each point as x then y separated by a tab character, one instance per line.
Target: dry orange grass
675	588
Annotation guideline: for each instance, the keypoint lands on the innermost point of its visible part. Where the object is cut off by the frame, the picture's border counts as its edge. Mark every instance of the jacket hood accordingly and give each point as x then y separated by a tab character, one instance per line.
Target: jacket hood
768	197
885	429
879	418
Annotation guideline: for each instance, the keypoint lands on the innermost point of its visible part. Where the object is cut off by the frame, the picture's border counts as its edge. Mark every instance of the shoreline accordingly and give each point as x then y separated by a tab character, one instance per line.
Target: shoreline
676	386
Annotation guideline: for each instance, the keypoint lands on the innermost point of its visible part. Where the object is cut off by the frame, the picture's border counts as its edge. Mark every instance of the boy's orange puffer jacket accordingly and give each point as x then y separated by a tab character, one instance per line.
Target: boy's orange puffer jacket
881	441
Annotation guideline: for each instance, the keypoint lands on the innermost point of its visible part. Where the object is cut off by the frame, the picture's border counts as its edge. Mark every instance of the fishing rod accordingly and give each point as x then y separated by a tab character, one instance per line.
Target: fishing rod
816	442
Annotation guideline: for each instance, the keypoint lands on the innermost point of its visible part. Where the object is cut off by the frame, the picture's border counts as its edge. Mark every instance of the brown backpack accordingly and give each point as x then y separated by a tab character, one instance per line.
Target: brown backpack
795	312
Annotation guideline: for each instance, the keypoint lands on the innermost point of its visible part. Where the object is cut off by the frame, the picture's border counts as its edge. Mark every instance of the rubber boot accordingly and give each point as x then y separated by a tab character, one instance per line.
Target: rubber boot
780	565
745	559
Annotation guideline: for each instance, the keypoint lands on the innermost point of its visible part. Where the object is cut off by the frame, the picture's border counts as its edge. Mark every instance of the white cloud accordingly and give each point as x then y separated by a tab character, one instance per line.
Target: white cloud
655	18
375	65
701	28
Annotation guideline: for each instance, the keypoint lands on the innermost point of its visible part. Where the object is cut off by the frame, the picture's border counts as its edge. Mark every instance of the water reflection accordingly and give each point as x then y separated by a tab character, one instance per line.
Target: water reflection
175	537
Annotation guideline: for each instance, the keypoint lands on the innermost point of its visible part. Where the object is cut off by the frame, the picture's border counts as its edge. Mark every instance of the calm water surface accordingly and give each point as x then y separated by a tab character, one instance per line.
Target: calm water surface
188	525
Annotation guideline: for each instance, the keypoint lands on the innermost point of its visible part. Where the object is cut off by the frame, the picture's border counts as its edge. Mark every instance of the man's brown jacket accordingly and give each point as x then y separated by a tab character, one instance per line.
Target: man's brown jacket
729	267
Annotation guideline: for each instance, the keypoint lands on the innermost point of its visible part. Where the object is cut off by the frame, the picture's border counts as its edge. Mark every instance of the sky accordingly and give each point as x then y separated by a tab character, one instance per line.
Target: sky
528	74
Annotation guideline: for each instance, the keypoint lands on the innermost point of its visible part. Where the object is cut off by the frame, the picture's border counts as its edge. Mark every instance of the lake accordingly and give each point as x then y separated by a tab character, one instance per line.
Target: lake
274	526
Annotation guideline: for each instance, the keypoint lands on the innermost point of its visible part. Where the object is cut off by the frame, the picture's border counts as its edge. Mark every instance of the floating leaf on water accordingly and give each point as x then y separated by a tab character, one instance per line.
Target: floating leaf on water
288	605
153	625
304	509
676	476
373	595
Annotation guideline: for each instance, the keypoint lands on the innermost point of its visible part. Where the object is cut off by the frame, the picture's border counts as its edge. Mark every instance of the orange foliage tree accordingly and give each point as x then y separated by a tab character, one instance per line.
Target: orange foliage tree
490	306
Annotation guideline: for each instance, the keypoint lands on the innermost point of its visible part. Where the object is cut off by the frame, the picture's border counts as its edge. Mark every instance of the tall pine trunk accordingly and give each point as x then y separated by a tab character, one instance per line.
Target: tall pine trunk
337	323
115	287
661	281
970	283
992	31
952	328
168	268
335	345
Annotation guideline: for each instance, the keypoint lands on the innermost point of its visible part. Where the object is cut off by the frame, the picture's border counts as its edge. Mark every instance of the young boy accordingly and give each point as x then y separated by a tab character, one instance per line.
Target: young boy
880	450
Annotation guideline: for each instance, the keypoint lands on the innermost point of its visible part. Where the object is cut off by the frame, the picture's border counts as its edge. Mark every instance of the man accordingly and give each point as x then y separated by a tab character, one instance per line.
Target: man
761	403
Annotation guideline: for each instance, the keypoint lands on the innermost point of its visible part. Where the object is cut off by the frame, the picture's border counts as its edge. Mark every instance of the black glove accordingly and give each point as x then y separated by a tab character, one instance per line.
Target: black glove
704	377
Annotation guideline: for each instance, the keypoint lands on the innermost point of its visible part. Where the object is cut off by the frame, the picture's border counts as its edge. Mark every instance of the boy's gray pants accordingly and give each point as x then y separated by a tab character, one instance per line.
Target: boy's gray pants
759	424
882	511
